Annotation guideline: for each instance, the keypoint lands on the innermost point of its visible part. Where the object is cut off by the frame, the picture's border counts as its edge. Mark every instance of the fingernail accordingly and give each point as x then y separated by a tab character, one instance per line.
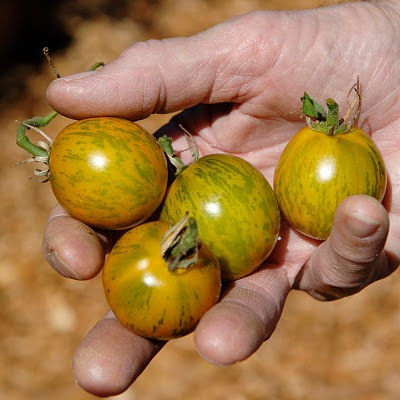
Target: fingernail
77	76
360	225
60	267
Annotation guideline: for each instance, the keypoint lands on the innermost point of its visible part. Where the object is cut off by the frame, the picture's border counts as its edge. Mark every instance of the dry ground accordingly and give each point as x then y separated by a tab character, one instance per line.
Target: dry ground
347	349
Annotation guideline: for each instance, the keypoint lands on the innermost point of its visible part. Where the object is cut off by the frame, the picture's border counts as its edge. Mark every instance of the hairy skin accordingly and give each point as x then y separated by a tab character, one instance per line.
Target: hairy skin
239	84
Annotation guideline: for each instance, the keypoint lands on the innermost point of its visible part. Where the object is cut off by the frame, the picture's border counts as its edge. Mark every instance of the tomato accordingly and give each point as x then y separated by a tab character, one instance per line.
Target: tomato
146	296
316	171
108	172
234	207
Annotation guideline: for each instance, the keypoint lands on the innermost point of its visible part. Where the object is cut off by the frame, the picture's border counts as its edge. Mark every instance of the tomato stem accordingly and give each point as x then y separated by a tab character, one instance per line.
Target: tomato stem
40	152
191	141
166	144
49	60
332	118
96	65
180	245
53	67
328	121
23	140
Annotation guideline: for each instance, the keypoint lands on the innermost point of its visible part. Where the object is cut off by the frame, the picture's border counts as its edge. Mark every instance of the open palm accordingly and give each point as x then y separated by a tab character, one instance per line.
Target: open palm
239	84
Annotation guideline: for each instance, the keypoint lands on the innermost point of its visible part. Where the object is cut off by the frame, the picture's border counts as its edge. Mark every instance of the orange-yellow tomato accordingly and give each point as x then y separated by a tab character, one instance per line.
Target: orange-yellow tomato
316	171
109	173
149	299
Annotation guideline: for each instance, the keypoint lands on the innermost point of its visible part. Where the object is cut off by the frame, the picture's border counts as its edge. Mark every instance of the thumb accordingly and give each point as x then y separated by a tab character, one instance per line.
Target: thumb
163	76
353	256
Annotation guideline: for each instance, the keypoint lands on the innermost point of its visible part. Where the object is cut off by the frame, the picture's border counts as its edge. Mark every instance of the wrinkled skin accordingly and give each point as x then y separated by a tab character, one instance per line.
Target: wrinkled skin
240	84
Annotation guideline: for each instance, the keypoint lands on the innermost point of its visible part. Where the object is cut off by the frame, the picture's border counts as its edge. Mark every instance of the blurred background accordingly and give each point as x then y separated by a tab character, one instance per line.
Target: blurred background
346	349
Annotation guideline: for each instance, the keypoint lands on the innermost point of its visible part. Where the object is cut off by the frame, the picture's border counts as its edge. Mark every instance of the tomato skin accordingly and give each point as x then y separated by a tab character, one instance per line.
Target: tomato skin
317	171
108	172
149	299
235	209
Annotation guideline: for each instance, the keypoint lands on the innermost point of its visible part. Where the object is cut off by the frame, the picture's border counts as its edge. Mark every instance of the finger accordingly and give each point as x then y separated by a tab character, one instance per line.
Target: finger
110	358
353	255
169	75
245	317
72	248
224	128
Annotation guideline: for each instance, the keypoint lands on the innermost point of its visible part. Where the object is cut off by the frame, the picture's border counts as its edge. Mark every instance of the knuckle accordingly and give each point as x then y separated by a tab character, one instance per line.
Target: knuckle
339	280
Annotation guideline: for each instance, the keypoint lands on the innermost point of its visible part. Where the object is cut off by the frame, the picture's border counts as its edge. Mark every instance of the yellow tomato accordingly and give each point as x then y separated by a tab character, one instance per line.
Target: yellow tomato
108	172
316	171
146	296
235	209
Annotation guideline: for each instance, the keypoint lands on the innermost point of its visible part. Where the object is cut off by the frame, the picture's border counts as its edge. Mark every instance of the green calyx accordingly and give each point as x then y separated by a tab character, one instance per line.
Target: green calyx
327	120
321	120
180	245
32	123
166	144
40	152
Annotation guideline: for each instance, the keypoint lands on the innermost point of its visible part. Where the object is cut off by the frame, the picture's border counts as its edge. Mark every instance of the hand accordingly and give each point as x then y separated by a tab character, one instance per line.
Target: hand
240	84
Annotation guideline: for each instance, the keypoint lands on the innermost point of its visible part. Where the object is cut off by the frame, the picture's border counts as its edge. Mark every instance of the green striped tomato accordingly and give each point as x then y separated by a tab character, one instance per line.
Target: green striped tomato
316	171
108	172
235	209
146	297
